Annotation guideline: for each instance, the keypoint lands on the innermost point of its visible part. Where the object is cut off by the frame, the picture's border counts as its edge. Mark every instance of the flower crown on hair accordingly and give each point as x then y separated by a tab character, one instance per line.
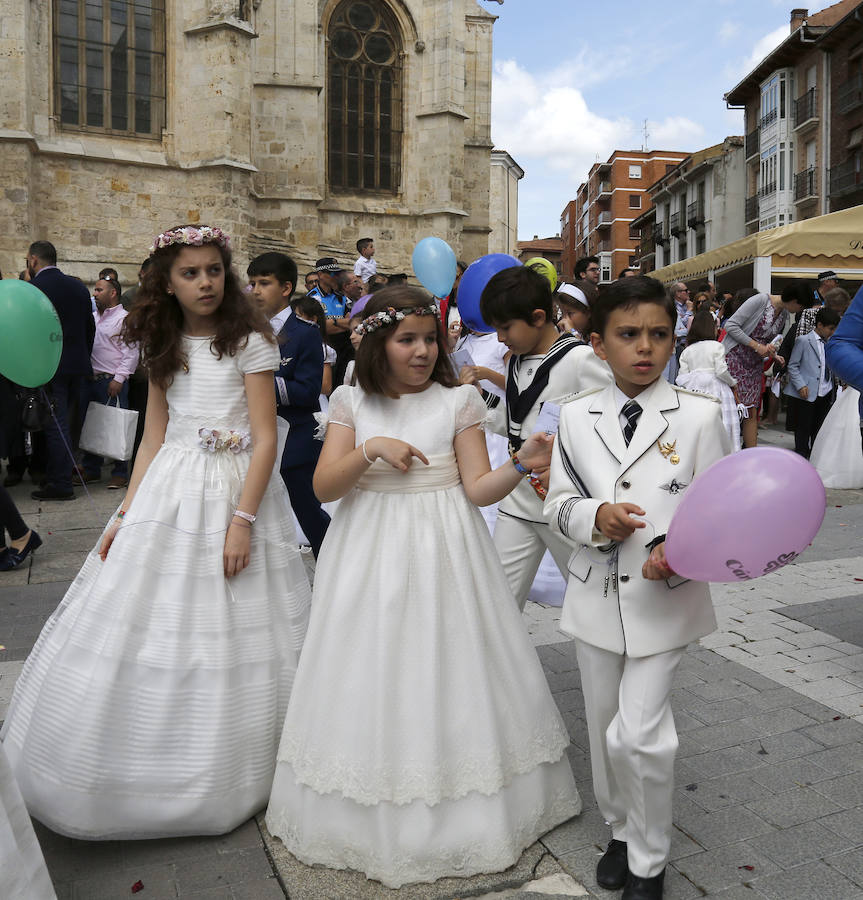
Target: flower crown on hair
390	316
191	236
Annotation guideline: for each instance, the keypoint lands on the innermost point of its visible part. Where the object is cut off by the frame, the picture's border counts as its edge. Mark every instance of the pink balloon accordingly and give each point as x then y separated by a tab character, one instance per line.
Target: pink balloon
747	515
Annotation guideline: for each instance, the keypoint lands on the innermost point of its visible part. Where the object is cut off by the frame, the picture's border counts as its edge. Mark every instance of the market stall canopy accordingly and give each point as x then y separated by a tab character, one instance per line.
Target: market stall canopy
834	241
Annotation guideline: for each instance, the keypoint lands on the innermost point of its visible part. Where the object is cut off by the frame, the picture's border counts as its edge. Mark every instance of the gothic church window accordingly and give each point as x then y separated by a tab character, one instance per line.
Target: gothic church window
109	66
364	98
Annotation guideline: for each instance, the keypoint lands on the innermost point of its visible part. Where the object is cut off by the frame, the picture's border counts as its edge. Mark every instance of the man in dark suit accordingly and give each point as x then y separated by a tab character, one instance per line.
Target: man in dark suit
71	299
272	277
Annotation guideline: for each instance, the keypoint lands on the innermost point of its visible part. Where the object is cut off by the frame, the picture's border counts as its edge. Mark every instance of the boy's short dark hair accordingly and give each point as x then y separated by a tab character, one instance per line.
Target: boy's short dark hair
827	316
582	264
514	293
109	273
279	265
362	243
627	293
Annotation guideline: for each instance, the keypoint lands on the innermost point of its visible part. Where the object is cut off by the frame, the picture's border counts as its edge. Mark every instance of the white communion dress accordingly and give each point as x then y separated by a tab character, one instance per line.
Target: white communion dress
153	701
836	453
703	369
23	875
421	739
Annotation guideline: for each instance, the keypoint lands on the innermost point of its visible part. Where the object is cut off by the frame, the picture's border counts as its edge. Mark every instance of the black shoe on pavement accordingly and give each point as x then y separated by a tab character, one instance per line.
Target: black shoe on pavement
50	493
12	558
612	869
637	888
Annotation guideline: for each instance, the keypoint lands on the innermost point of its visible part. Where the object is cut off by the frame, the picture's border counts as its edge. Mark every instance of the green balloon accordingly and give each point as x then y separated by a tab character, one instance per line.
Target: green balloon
31	337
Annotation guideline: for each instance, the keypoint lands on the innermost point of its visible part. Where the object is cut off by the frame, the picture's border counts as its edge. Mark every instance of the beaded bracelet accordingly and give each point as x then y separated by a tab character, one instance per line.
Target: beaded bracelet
121	513
518	466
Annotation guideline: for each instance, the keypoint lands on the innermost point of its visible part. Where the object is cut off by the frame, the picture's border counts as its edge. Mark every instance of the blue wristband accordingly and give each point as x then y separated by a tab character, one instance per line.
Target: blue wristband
518	466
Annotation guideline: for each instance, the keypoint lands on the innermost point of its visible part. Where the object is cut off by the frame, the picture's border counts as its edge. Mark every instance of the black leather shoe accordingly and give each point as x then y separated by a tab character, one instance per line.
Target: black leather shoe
612	869
50	493
637	888
12	558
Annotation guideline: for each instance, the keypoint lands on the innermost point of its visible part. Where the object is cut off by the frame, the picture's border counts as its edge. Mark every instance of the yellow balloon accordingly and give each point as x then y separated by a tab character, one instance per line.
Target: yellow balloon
544	267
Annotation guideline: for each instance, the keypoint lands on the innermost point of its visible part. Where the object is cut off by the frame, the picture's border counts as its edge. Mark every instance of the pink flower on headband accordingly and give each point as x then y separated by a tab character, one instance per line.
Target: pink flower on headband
191	236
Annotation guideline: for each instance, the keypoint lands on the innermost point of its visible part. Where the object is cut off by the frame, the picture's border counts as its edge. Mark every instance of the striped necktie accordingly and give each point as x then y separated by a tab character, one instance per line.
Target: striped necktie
632	412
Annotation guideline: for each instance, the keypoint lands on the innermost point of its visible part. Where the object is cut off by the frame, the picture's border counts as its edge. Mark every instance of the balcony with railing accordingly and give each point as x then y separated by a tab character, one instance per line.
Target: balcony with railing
646	247
676	225
846	178
604	190
603	247
770	118
751	209
767	190
660	234
752	143
849	94
806	185
806	110
695	214
604	219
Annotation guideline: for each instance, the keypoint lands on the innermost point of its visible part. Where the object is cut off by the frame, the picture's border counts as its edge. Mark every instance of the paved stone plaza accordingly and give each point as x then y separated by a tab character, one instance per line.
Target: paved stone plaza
769	800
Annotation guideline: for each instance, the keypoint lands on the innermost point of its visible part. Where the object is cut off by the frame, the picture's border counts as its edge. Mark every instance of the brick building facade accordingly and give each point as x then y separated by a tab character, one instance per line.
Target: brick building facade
598	222
843	48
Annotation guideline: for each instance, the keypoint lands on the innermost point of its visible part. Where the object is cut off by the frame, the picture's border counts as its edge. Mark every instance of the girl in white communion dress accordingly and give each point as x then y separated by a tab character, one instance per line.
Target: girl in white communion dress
421	739
152	702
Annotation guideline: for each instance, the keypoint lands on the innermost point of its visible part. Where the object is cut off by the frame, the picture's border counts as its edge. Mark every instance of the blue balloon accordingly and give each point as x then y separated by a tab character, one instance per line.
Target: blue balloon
472	284
434	264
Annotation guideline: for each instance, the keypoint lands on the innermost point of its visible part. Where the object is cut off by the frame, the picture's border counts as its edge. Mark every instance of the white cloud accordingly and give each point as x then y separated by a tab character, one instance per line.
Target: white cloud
728	31
762	47
544	118
675	133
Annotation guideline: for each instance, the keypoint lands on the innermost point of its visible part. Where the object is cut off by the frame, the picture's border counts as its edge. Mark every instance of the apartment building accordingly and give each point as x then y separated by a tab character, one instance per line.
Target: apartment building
787	103
697	206
598	222
842	46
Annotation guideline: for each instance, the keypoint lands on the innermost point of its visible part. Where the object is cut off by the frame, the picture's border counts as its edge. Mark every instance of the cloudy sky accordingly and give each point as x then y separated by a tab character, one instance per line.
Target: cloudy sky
575	80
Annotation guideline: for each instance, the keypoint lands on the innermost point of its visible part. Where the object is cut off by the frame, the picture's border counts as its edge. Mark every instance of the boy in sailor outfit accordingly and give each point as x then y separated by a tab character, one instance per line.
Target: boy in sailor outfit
622	461
545	366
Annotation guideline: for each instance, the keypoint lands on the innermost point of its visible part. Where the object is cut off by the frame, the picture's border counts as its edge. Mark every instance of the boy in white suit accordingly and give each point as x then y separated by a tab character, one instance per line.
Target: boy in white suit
810	383
544	366
622	461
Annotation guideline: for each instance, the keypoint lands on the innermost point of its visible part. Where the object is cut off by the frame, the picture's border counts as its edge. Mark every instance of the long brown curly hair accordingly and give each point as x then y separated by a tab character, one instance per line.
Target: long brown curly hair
155	321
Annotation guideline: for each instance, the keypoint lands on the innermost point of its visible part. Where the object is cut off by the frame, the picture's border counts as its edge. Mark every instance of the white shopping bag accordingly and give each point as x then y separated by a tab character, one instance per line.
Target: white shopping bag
109	430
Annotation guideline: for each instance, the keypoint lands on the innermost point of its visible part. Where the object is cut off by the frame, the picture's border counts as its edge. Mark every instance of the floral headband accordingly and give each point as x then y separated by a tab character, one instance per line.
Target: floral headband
191	236
390	316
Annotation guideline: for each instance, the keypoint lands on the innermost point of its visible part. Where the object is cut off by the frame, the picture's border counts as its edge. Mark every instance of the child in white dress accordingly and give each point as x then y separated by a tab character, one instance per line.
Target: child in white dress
152	702
703	369
421	739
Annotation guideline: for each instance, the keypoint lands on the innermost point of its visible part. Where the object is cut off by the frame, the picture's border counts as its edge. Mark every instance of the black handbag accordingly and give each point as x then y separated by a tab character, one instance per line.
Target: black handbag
35	409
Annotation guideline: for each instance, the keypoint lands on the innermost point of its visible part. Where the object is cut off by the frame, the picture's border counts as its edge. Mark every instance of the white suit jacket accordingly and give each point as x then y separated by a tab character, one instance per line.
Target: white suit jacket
591	465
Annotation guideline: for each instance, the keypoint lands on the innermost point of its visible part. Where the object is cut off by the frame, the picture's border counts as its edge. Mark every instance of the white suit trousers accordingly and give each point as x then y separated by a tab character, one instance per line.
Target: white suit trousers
633	743
521	546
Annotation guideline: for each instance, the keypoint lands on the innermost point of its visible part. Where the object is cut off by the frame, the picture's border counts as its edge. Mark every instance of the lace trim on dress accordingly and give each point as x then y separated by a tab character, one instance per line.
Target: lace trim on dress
484	772
396	870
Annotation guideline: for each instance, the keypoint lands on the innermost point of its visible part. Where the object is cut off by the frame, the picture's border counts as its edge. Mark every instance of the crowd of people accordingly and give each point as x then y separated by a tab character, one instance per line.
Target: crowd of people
191	677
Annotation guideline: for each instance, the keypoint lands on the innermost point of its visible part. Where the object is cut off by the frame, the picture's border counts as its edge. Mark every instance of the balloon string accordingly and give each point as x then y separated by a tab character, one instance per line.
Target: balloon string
66	444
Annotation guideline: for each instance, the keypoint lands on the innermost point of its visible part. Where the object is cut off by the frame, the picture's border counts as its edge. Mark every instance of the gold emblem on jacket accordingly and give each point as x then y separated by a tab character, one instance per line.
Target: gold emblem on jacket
667	449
